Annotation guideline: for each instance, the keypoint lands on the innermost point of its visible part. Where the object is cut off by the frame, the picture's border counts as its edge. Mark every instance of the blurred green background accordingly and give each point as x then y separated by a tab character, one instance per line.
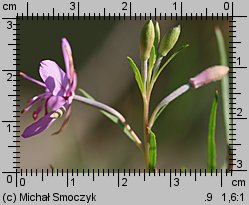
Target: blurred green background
100	49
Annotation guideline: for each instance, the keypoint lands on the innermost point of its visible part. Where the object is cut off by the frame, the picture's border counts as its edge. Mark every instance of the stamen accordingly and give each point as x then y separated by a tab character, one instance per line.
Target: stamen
58	113
32	80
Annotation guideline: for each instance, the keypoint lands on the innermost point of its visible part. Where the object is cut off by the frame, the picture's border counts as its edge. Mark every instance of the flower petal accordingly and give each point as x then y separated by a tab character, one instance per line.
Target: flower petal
67	51
74	82
55	102
38	126
54	77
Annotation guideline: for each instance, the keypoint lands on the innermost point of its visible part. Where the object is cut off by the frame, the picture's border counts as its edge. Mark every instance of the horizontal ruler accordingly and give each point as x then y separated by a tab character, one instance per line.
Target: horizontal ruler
125	187
74	10
93	173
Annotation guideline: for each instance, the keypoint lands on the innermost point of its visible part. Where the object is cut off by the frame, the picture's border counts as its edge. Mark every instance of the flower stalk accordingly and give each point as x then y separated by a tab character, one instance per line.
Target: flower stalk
112	111
179	91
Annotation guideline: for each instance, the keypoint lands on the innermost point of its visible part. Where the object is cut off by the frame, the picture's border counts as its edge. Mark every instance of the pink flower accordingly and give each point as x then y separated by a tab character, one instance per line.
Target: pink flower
58	93
209	75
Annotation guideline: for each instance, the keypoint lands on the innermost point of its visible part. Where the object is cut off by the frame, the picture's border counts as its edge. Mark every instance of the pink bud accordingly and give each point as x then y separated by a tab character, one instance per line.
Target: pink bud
209	75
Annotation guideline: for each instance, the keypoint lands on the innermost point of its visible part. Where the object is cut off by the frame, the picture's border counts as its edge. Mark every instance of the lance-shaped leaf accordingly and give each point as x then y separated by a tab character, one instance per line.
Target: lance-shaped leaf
156	75
153	151
137	74
211	135
152	61
157	34
113	118
224	84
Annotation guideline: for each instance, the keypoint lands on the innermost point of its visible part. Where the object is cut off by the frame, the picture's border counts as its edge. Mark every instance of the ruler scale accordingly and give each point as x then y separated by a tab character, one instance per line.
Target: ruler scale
112	186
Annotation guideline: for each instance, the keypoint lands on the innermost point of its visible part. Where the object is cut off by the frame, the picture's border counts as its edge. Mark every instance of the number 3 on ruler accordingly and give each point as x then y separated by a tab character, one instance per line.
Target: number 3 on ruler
10	24
176	182
72	6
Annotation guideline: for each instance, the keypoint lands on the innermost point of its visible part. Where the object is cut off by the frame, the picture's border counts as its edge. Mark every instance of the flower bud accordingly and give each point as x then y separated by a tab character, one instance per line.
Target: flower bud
169	40
157	34
209	75
146	40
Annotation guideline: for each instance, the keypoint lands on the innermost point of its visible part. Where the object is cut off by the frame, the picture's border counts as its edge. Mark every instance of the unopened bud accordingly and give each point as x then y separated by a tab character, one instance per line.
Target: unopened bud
209	75
157	34
169	40
146	40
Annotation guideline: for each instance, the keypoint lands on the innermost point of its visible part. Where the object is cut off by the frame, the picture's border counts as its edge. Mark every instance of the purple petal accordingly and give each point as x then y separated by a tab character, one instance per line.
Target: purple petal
55	102
54	77
38	126
67	51
32	80
74	82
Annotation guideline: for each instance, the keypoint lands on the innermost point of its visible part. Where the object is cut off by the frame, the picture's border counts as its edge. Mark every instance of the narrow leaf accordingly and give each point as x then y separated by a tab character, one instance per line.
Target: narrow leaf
159	112
211	135
137	74
168	61
153	151
157	34
224	84
225	96
152	59
111	117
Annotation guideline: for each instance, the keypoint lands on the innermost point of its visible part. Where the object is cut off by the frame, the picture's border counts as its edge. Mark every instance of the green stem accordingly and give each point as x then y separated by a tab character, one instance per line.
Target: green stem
146	134
146	101
144	68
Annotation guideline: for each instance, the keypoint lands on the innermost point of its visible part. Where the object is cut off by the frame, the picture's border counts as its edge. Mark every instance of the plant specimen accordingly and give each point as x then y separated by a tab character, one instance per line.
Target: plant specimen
60	89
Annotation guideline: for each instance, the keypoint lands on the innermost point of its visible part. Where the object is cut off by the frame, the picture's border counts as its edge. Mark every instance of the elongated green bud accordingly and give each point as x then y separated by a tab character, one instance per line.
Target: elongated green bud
157	34
146	40
169	40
